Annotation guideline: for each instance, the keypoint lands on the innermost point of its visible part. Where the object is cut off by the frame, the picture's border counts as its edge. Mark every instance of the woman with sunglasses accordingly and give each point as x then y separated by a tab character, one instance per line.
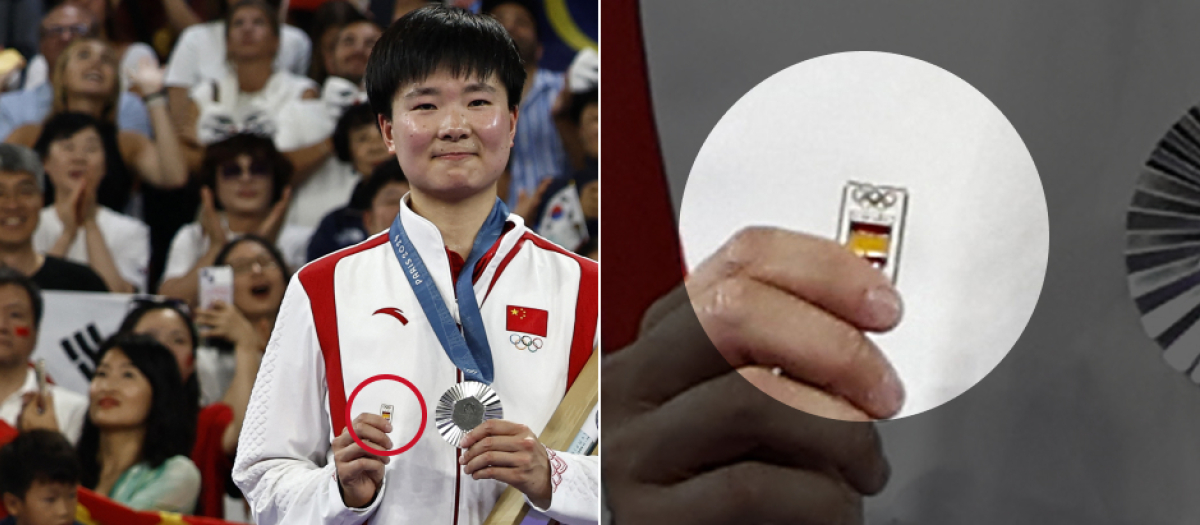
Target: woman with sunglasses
244	191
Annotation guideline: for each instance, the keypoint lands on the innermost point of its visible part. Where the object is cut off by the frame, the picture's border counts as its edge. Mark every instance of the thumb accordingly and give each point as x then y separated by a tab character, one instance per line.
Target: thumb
285	198
206	199
280	207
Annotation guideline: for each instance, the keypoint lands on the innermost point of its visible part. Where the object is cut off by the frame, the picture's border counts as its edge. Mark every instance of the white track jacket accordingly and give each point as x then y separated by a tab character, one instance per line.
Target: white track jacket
352	316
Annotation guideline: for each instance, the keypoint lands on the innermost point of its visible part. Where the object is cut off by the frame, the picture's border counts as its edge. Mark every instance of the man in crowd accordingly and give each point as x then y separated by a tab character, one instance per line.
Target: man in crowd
21	198
344	86
22	406
538	152
335	177
60	27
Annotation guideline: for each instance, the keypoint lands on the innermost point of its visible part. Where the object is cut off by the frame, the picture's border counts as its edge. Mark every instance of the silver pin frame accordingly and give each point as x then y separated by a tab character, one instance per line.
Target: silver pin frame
872	223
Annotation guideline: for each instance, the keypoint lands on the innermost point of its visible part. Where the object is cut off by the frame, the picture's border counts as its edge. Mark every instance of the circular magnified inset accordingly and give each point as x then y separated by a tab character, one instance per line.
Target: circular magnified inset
1162	248
399	402
907	166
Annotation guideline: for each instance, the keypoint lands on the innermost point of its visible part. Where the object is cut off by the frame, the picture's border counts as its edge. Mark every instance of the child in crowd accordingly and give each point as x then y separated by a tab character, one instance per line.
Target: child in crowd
39	476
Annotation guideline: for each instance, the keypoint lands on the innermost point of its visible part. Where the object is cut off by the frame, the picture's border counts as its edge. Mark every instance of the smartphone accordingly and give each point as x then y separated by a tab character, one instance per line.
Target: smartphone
216	284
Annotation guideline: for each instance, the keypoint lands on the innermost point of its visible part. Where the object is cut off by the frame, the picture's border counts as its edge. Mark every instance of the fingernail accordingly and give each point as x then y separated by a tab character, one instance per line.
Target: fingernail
892	391
883	306
389	426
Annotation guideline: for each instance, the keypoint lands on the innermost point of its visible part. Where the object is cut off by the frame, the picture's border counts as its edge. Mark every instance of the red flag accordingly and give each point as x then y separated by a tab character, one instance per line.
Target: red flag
640	267
529	320
92	508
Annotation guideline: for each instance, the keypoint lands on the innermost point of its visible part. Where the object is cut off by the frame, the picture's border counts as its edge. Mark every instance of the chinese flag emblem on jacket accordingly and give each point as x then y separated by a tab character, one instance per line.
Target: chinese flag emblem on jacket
532	321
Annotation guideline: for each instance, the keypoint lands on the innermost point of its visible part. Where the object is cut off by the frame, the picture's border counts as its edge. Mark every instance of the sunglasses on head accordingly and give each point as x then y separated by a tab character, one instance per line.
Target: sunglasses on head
234	171
155	301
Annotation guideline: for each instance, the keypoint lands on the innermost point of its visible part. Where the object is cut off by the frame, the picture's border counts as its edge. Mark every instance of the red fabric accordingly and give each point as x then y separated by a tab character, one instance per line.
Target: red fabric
305	5
643	257
317	279
532	321
7	433
103	511
209	456
457	262
587	307
456	265
504	263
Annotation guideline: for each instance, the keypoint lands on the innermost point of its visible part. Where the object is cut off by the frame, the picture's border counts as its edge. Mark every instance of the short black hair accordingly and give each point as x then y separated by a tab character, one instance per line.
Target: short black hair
530	6
385	173
170	424
581	101
223	8
114	187
37	455
334	14
356	116
257	147
268	10
11	276
271	249
438	37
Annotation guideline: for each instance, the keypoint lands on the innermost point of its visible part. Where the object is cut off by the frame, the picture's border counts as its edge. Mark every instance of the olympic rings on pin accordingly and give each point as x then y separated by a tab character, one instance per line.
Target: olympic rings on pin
525	342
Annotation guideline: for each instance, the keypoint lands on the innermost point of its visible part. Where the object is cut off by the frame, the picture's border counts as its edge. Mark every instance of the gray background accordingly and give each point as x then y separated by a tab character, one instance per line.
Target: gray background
1083	421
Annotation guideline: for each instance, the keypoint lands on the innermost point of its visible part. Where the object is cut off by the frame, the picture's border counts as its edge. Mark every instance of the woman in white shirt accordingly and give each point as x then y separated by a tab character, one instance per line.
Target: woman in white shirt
77	151
244	192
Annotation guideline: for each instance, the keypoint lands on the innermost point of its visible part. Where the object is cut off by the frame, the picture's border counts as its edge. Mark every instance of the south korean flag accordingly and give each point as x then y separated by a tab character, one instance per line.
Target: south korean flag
563	222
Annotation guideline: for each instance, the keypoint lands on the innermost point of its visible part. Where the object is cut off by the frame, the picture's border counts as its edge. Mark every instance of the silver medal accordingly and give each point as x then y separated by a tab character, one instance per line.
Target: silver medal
465	406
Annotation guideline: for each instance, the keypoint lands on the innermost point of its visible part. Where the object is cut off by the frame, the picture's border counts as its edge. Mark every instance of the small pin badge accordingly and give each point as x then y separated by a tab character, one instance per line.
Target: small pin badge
386	412
872	224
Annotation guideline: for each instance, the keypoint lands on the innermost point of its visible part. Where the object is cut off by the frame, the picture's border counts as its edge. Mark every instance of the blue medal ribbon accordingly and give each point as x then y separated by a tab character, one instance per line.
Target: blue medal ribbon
468	349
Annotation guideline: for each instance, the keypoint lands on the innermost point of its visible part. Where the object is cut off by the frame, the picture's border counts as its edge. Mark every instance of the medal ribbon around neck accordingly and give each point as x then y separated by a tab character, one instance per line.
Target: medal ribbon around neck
468	349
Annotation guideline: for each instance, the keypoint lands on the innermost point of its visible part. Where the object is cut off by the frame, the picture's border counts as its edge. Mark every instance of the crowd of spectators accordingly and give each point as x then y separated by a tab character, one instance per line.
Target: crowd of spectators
143	144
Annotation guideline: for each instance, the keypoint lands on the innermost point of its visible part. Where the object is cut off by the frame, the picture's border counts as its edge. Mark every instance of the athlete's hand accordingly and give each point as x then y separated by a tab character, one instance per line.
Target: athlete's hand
508	452
693	441
359	472
776	298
